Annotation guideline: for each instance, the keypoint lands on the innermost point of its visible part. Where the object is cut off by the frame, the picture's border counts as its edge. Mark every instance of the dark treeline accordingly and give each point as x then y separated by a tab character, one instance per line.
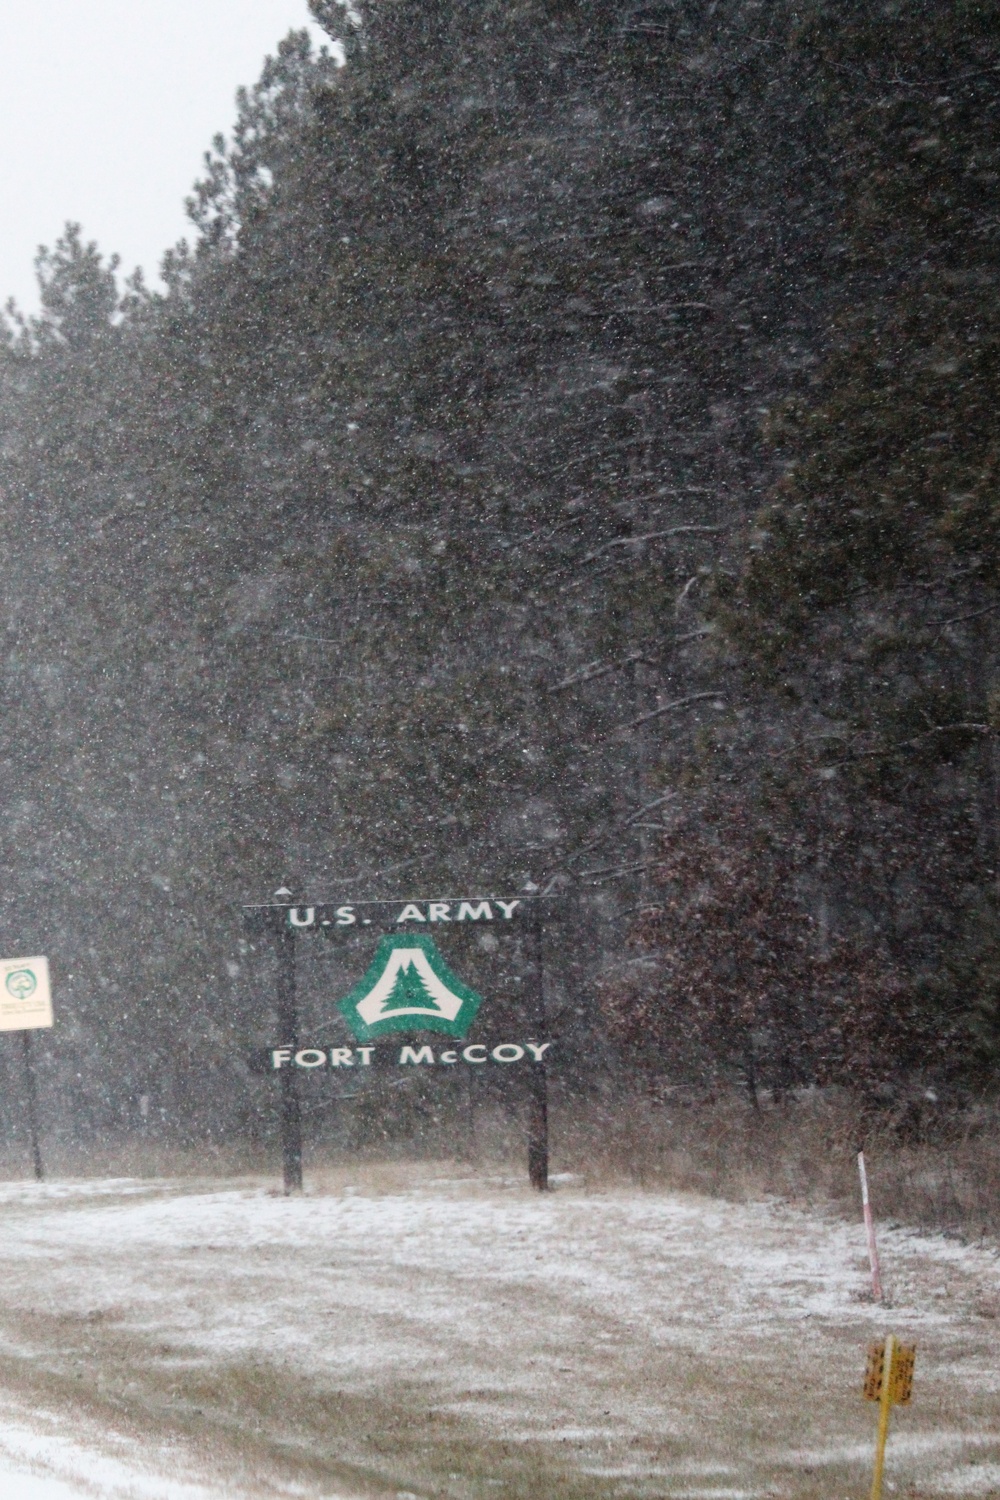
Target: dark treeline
565	453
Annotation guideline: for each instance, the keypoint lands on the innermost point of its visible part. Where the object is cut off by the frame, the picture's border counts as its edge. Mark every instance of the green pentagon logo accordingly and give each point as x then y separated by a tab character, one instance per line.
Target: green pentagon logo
409	987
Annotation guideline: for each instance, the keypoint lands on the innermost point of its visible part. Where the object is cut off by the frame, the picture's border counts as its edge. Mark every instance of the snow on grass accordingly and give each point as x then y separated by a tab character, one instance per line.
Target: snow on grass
38	1462
642	1344
971	1479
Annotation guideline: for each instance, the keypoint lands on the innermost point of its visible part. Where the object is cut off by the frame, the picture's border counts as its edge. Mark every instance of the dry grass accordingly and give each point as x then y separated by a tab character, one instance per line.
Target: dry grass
804	1150
932	1172
939	1173
132	1156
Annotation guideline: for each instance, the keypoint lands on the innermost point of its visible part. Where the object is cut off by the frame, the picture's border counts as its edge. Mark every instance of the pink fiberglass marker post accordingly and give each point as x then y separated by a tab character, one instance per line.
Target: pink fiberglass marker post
870	1229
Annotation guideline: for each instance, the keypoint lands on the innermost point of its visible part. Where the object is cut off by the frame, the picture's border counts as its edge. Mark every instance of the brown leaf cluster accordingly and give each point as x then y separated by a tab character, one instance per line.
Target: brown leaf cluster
733	971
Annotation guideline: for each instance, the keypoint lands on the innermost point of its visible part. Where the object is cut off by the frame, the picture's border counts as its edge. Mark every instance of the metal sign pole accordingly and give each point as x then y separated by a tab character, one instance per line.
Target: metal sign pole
31	1095
288	1022
538	1096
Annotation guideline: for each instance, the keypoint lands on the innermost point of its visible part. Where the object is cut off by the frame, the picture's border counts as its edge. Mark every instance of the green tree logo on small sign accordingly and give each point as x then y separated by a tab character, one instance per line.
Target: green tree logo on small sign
409	987
22	983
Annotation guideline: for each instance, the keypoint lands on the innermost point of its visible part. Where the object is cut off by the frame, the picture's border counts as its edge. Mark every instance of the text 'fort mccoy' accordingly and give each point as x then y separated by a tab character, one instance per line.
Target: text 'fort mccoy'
476	1055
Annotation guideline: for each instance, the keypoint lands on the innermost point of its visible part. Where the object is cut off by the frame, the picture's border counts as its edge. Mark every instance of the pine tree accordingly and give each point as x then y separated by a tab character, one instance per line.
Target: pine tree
409	991
373	539
867	594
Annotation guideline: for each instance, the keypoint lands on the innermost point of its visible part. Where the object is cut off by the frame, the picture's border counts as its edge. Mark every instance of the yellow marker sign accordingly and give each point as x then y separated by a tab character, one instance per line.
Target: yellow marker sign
25	997
901	1388
889	1381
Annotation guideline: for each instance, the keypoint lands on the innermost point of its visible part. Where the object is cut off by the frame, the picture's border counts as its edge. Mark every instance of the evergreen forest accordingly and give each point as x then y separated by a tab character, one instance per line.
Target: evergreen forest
561	457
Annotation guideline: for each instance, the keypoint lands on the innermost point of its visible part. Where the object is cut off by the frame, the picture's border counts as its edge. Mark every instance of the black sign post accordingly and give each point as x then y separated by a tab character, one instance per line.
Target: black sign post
392	1004
31	1099
288	1022
538	1098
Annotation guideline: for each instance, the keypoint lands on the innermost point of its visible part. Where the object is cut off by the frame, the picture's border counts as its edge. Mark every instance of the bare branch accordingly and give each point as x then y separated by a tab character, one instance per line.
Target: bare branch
682	596
323	640
678	306
672	492
594	670
973	615
807	739
646	536
657	802
616	872
619	826
667	265
917	739
666	708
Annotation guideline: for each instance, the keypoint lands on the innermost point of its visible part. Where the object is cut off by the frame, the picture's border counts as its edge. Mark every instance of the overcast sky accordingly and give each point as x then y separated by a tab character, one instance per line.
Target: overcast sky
106	107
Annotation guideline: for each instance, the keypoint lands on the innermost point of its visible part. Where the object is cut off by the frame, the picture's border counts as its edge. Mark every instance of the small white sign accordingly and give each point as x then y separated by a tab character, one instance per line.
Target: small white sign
25	997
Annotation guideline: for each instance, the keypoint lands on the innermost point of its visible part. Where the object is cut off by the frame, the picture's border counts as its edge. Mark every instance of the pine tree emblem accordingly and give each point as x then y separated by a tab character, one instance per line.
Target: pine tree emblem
408	993
409	987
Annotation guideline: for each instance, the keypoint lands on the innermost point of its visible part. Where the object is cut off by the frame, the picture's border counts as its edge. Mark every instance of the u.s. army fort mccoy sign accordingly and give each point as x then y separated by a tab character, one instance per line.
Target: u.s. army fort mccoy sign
421	995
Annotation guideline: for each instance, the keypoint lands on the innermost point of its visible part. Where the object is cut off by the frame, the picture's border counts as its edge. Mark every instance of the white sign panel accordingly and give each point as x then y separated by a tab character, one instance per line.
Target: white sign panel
25	997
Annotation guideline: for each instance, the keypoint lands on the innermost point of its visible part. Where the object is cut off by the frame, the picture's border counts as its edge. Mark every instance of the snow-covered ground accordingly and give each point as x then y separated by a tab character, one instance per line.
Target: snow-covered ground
40	1460
416	1336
